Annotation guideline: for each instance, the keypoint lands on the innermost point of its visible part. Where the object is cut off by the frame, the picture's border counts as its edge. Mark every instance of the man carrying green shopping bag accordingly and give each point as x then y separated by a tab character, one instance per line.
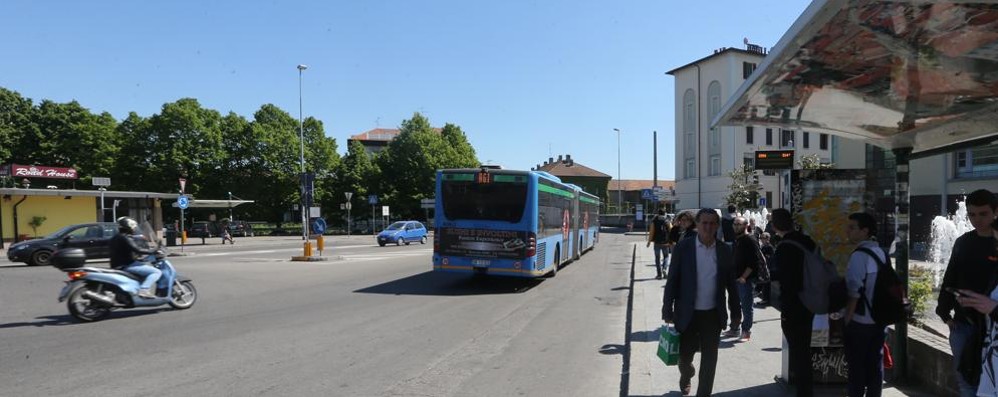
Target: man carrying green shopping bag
668	345
700	273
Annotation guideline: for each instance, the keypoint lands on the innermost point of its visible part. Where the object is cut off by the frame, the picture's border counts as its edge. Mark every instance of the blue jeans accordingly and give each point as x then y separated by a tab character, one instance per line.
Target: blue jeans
745	292
864	345
150	273
959	333
661	256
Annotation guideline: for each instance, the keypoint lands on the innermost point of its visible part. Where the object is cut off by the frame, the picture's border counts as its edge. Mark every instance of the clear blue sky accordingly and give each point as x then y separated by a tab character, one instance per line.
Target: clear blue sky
525	79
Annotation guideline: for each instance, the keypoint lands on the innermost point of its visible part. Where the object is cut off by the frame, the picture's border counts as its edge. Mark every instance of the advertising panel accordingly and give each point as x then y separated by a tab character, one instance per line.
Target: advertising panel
484	243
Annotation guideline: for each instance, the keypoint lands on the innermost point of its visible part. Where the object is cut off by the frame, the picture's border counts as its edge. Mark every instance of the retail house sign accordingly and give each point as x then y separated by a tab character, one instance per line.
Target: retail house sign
38	171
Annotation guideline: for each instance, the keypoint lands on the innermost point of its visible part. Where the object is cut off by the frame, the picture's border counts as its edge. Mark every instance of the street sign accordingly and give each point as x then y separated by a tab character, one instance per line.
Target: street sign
99	181
384	210
348	195
762	201
646	194
314	212
183	183
427	203
639	215
183	202
343	206
372	199
346	206
318	226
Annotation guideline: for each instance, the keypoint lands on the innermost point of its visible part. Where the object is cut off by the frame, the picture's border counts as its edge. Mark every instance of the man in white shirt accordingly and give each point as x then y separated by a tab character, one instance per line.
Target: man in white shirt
864	338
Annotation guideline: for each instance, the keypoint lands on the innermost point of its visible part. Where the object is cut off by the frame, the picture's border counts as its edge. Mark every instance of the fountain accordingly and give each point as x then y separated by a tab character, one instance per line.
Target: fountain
945	230
759	217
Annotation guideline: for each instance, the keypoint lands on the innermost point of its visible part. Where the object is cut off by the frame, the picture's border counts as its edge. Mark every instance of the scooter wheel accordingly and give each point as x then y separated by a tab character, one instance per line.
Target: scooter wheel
84	309
184	295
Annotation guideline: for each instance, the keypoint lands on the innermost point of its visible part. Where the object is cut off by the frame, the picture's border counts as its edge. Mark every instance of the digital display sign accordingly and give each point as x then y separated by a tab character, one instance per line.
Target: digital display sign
774	159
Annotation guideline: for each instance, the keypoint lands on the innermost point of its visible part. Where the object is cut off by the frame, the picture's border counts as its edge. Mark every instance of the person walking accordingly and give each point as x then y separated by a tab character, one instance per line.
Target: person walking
987	306
795	319
658	233
766	288
701	275
727	226
864	338
972	266
747	260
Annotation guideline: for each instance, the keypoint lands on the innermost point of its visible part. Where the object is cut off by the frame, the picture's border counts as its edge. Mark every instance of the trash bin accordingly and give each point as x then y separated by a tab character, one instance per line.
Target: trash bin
171	238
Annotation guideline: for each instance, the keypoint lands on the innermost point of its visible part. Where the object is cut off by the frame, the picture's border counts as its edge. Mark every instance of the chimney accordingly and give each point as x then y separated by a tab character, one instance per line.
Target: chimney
559	158
568	157
550	160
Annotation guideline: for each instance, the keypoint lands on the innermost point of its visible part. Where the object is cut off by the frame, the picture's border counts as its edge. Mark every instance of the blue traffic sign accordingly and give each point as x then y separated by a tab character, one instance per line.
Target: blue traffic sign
183	202
318	225
762	201
647	194
372	199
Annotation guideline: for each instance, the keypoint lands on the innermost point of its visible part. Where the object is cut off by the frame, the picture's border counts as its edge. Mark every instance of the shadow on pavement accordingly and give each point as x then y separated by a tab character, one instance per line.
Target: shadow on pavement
447	284
65	319
610	349
646	336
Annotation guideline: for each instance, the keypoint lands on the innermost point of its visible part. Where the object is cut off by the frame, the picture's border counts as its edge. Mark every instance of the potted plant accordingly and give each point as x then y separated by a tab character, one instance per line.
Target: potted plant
36	221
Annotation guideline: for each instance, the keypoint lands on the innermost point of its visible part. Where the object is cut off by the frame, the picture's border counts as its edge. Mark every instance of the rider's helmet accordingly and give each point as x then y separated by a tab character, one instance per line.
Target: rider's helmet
127	225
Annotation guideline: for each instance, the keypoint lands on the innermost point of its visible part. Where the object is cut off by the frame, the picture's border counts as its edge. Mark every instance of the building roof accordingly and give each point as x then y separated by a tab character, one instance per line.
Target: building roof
629	185
381	134
570	168
756	52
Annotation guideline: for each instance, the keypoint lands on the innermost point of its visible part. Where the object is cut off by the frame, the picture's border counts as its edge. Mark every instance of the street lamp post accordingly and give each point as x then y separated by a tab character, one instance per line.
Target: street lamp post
620	200
230	207
301	136
348	196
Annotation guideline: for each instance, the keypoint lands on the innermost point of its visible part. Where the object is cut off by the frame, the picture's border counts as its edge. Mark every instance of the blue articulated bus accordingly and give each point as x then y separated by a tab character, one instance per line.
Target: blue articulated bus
510	223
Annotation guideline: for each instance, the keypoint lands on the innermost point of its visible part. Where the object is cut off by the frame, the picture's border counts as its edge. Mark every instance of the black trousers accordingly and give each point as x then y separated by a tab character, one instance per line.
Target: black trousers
703	333
798	334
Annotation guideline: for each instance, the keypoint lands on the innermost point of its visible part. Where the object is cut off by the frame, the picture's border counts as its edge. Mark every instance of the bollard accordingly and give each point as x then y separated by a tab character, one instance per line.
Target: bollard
320	244
308	248
183	237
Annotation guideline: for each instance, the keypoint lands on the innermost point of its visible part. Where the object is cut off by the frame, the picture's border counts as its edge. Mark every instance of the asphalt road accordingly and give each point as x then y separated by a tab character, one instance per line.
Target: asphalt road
372	321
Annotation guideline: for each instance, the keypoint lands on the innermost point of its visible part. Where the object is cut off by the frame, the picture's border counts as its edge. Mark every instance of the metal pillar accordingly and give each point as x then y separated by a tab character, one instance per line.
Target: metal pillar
901	199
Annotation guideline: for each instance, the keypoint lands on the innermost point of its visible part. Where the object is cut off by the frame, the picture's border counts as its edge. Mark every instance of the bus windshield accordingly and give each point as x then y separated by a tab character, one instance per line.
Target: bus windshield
503	201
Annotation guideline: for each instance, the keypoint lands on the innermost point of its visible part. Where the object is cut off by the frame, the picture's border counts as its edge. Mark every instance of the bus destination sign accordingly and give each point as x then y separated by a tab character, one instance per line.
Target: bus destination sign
774	159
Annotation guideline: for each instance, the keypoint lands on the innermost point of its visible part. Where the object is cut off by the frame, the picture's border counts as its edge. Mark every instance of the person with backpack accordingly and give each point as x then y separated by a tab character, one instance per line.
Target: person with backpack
864	337
795	318
749	265
658	233
970	270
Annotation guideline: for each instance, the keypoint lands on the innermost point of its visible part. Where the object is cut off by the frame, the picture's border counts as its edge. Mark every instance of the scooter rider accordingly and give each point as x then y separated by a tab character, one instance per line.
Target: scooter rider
123	250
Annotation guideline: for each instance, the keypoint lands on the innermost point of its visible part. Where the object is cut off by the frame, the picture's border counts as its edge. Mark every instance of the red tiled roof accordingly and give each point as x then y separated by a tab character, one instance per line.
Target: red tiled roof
570	168
629	185
381	134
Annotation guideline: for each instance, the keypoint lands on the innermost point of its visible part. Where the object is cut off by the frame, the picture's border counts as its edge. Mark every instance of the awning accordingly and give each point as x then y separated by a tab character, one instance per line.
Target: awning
896	74
199	203
84	193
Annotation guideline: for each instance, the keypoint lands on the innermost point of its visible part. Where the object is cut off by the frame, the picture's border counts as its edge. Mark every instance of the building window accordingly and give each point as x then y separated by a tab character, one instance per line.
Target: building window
981	162
689	127
747	69
690	169
787	138
749	138
713	108
769	137
749	160
769	199
715	165
807	140
823	142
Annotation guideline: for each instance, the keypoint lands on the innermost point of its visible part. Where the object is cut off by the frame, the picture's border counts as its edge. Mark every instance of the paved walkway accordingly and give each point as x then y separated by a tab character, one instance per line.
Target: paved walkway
743	369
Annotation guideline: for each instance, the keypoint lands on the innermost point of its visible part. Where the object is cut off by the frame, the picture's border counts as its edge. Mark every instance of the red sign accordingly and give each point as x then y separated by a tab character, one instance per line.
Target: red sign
34	171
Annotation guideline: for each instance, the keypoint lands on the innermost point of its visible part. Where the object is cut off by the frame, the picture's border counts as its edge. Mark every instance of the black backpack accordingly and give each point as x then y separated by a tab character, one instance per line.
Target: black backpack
889	304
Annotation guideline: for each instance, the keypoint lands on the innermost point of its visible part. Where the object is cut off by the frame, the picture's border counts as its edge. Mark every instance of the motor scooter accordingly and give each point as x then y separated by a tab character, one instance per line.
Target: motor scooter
92	292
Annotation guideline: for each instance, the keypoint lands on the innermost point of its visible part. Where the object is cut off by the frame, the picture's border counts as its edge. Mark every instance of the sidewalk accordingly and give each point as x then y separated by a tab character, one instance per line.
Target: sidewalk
743	369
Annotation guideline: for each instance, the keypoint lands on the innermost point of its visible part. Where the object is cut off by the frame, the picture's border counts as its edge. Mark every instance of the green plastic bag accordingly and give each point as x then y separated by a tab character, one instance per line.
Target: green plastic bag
668	345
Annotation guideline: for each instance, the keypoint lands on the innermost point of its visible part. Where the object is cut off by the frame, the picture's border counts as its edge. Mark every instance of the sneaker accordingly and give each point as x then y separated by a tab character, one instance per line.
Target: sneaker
746	336
658	277
731	333
146	293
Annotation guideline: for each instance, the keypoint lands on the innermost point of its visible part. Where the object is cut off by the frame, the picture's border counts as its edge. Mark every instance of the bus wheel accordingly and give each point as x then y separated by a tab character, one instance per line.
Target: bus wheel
554	266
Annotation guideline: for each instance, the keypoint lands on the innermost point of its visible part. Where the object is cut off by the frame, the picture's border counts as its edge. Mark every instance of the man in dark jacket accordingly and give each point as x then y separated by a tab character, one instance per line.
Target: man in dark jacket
701	274
123	250
727	225
658	233
795	319
971	267
747	259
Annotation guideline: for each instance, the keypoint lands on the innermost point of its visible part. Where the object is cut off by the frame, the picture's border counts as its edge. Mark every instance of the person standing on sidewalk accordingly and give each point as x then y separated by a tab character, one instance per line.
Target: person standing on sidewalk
747	259
971	267
795	319
864	339
701	275
658	233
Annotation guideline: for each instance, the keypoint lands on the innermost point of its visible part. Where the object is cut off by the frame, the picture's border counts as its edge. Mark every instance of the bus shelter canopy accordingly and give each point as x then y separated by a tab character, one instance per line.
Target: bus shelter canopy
896	74
198	203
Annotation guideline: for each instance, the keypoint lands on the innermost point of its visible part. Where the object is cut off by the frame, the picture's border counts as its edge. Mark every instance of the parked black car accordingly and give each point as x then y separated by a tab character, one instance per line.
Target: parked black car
240	228
200	229
91	237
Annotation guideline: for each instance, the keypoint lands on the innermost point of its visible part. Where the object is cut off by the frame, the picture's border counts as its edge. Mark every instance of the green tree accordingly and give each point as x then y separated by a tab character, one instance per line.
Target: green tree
135	158
461	153
357	173
744	188
813	162
187	142
16	123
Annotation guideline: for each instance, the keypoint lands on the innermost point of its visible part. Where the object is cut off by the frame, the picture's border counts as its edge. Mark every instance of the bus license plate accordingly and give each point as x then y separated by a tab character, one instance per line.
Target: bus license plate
480	262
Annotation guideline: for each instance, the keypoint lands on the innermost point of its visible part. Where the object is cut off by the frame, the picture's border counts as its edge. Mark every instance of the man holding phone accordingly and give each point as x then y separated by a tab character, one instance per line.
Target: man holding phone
971	268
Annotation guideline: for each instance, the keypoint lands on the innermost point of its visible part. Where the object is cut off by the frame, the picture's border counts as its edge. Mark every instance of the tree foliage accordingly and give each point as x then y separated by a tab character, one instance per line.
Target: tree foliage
744	188
813	162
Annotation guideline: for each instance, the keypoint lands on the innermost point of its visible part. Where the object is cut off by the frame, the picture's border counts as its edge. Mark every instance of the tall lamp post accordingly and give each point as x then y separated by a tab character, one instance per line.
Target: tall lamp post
620	200
348	195
301	136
